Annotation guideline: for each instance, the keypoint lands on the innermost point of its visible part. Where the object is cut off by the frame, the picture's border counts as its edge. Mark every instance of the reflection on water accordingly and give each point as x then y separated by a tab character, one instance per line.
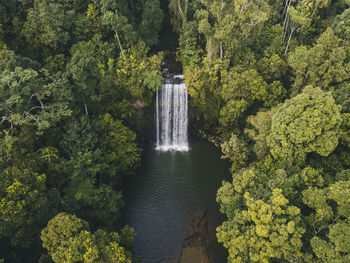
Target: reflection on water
169	191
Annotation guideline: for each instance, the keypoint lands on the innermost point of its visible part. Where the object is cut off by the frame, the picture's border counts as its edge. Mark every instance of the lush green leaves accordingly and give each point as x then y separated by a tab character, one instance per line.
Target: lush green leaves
68	239
23	207
309	122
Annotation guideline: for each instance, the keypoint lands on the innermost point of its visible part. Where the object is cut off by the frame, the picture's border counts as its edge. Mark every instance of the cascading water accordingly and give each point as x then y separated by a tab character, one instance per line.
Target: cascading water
171	116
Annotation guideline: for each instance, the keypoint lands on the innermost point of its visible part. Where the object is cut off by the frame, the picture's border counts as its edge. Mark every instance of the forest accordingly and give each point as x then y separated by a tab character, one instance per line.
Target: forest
268	83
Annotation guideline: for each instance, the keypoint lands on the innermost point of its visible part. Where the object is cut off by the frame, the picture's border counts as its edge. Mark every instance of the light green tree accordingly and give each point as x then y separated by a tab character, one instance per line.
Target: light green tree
240	89
264	231
23	205
308	122
68	239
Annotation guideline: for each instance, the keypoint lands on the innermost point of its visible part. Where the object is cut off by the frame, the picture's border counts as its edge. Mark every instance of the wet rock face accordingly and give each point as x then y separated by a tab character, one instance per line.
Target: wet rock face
170	65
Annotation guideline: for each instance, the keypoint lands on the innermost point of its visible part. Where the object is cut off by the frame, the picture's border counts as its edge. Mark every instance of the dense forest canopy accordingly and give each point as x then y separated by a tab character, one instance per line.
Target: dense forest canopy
269	81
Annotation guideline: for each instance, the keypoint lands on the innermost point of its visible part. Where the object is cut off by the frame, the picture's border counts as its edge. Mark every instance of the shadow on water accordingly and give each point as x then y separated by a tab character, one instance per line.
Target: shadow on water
169	191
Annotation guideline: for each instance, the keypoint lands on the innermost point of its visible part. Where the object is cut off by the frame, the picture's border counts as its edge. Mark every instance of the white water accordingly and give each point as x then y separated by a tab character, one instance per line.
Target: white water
172	119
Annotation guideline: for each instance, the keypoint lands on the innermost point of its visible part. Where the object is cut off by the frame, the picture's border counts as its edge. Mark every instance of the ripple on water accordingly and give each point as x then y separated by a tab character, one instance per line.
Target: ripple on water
168	192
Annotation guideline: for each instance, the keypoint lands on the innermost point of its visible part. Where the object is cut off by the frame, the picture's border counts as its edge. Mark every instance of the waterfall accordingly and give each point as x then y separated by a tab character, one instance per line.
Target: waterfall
171	116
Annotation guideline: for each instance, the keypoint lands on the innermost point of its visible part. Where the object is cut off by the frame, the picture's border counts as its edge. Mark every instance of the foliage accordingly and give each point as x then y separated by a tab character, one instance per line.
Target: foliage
151	23
204	89
331	245
263	231
23	207
139	74
47	25
261	124
269	80
32	98
309	122
324	65
73	75
68	238
236	151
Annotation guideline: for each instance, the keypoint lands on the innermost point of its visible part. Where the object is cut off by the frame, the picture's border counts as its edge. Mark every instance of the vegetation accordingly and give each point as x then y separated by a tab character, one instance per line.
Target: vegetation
269	80
72	77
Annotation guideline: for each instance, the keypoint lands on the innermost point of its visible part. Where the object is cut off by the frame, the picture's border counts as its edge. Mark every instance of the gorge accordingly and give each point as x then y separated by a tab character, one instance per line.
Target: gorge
175	185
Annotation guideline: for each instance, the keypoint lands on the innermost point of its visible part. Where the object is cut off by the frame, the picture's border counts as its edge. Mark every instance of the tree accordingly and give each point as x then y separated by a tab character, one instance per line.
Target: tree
151	23
324	65
330	223
46	25
240	89
138	74
341	25
236	151
309	122
23	205
300	16
263	231
203	82
227	24
93	164
32	98
121	144
261	125
68	238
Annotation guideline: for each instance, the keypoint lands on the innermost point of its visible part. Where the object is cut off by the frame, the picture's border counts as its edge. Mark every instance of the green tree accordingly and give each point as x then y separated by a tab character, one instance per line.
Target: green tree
23	207
203	82
68	239
264	231
324	65
94	164
47	25
260	128
32	97
330	223
240	89
151	23
227	24
138	74
309	122
236	151
341	25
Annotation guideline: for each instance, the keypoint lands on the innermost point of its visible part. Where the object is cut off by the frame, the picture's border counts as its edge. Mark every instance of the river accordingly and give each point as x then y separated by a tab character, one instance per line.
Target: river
169	191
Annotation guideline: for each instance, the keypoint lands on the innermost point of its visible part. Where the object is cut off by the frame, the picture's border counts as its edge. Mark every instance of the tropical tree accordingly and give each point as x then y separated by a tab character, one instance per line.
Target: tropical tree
308	122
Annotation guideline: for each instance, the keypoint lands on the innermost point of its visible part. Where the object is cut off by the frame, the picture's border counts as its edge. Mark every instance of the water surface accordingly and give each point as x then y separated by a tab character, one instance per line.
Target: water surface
170	190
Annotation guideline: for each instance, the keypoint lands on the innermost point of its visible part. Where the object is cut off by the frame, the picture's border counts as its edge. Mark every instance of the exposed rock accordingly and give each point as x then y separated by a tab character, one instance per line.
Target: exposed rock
199	231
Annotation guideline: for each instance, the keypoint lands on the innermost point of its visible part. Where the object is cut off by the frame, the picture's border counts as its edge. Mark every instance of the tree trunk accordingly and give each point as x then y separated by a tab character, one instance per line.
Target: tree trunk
86	109
221	51
290	36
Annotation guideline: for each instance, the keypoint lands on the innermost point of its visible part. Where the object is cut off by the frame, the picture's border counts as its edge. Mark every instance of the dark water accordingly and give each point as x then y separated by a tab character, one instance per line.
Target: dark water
170	190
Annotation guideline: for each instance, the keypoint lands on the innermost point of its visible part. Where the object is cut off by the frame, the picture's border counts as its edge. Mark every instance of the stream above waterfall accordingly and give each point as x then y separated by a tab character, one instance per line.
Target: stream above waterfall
169	192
